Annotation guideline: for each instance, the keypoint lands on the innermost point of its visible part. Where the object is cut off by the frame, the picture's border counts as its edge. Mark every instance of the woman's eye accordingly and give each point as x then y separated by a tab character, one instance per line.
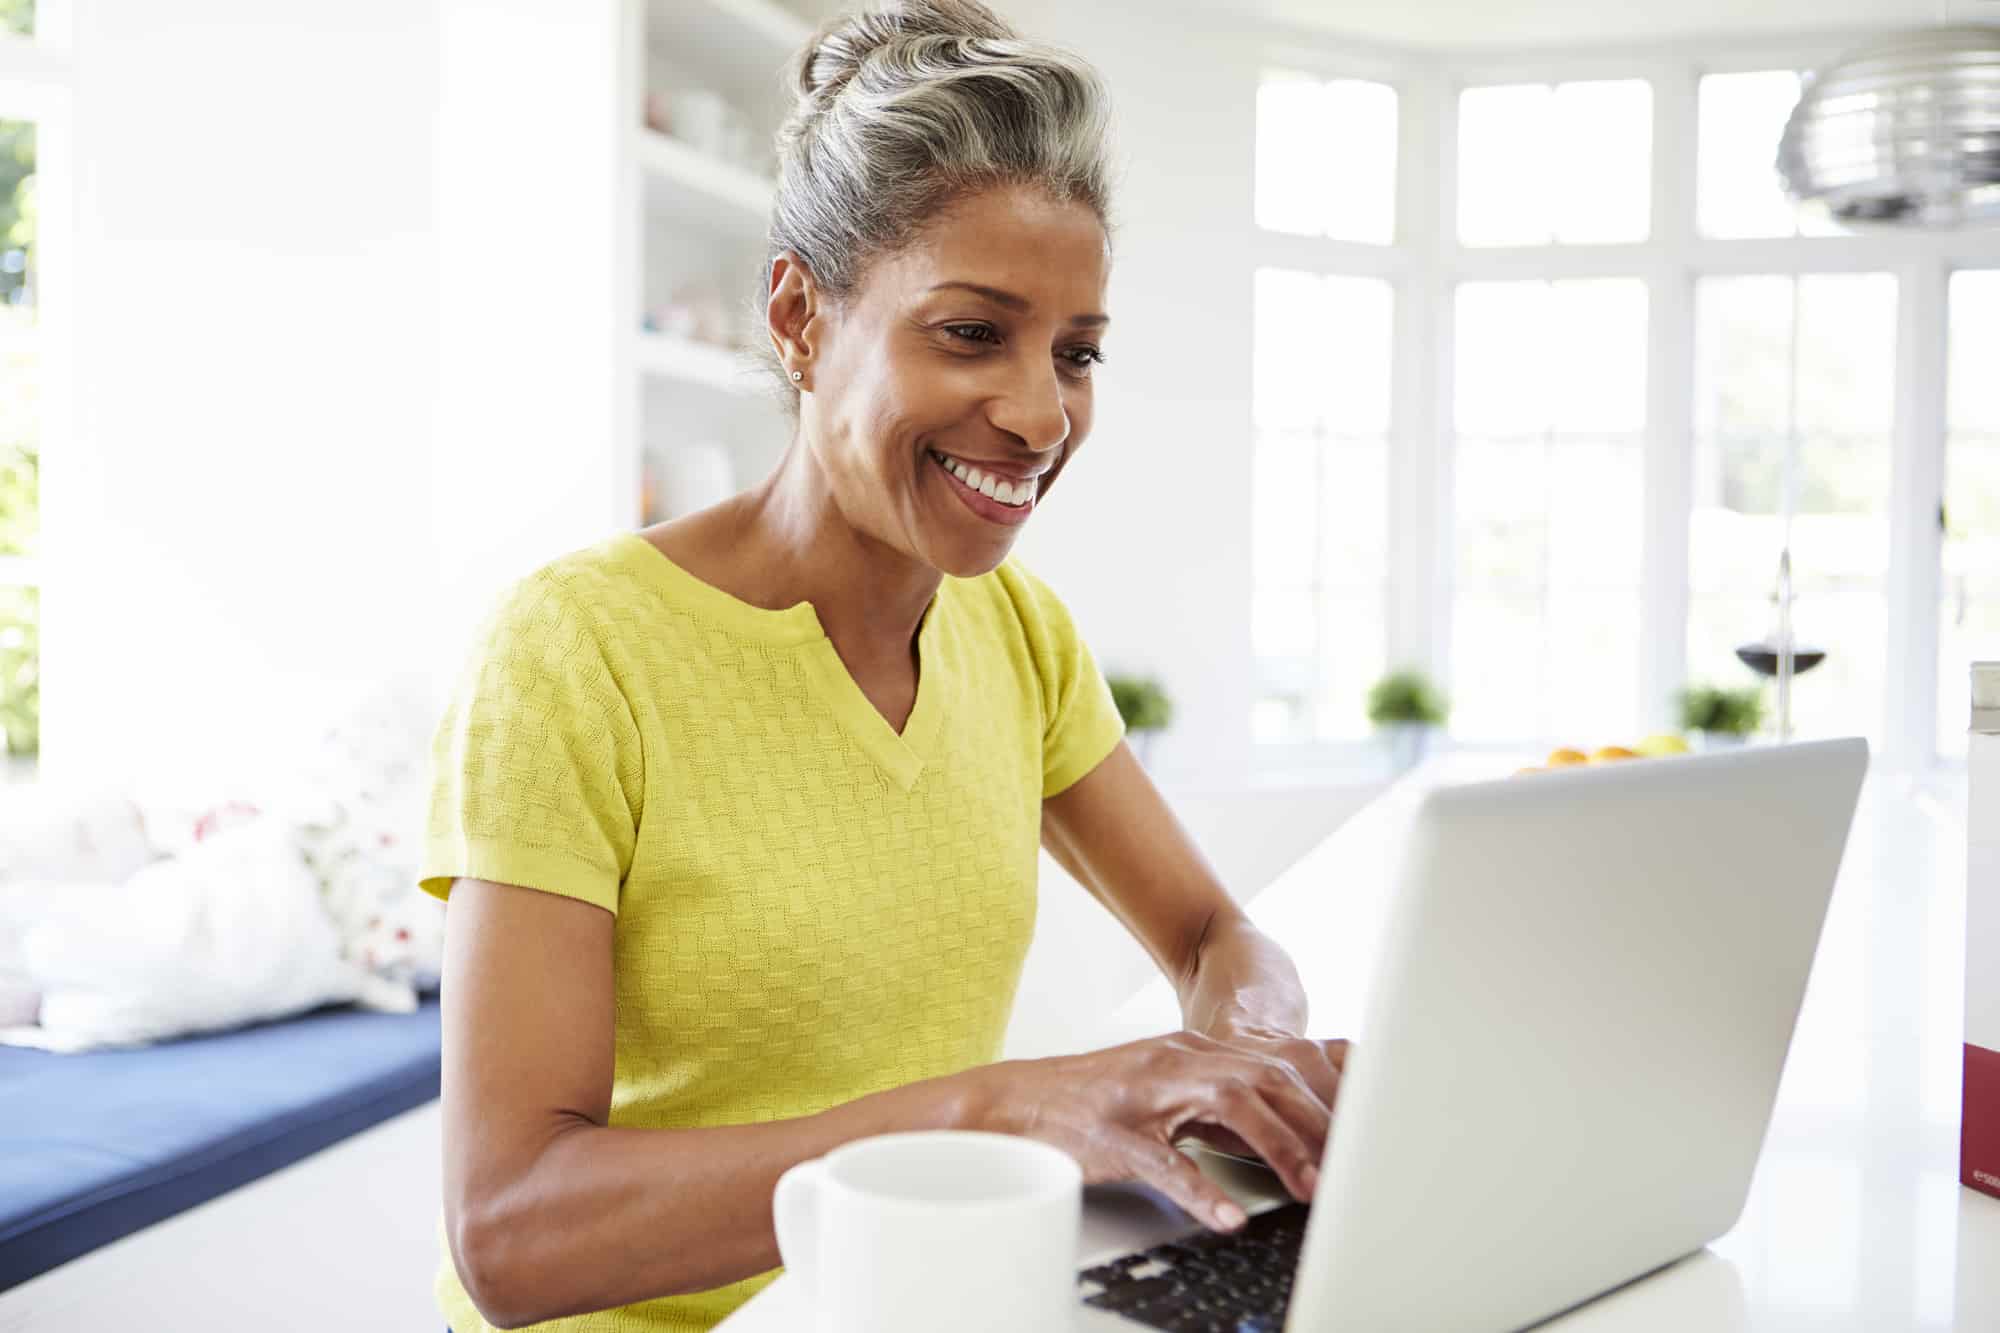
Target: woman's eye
1081	358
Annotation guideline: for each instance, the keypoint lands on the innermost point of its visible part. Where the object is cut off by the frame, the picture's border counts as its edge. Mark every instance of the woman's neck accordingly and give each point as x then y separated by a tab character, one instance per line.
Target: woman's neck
792	543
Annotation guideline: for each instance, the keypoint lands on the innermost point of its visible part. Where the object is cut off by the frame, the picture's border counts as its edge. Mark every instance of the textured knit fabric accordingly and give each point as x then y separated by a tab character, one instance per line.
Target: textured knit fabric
810	906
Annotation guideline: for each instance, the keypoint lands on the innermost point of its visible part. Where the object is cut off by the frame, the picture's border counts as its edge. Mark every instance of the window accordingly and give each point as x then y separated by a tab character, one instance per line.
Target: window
1738	189
1326	158
1321	484
32	88
1548	491
1577	264
1969	620
20	384
1569	163
1795	388
1320	405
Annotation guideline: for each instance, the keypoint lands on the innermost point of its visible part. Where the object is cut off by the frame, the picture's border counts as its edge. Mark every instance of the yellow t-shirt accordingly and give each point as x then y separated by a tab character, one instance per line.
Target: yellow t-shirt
810	907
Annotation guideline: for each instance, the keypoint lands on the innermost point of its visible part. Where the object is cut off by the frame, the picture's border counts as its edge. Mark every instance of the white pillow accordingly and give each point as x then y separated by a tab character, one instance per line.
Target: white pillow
70	834
231	932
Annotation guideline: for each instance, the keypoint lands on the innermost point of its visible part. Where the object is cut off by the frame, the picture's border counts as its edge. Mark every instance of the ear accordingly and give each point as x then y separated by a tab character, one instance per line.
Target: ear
789	310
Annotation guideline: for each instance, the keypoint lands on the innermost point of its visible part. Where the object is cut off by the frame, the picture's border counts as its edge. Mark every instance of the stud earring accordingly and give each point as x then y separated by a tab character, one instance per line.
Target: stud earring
798	375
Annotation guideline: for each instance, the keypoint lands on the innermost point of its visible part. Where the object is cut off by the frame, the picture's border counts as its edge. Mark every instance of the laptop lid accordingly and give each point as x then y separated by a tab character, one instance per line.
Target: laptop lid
1588	986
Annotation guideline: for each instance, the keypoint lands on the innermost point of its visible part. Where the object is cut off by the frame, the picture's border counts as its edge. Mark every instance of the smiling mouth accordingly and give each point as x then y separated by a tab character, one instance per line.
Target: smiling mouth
1000	490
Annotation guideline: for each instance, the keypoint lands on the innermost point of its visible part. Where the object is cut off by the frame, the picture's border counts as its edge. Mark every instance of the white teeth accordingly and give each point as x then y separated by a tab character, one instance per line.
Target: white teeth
1007	493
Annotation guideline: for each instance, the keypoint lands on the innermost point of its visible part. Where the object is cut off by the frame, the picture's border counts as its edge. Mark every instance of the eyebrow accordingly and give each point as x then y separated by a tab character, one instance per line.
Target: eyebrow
1016	303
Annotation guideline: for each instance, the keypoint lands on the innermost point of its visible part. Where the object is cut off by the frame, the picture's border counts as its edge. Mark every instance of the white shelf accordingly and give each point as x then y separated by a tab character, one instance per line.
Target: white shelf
724	369
735	47
767	20
683	185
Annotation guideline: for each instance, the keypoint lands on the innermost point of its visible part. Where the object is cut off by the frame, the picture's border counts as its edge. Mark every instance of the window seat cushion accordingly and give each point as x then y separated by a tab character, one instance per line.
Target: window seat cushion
100	1144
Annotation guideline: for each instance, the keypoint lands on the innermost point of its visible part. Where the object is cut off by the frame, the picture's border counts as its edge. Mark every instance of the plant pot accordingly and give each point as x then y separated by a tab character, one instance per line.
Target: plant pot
1722	740
1407	743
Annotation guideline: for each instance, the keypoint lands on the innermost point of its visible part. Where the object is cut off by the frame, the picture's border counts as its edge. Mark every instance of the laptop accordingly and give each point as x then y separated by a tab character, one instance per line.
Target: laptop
1588	985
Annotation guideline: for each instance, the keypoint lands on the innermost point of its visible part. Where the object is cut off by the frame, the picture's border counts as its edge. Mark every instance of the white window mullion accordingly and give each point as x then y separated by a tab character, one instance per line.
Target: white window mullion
1669	491
1669	468
1410	601
1430	570
1273	249
1916	491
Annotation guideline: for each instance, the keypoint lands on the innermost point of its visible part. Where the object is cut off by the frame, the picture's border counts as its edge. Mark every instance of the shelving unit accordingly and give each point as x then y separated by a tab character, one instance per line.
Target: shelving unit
699	190
701	229
722	369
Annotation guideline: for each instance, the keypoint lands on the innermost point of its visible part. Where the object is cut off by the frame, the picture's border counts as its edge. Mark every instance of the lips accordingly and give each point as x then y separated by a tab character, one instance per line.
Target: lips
985	506
1003	470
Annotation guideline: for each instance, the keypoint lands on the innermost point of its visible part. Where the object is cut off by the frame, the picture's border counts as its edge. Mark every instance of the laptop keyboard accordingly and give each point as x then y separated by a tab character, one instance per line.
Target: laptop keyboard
1209	1282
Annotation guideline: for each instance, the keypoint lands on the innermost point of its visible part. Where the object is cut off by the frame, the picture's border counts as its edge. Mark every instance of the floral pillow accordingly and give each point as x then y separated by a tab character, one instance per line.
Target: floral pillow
357	807
354	805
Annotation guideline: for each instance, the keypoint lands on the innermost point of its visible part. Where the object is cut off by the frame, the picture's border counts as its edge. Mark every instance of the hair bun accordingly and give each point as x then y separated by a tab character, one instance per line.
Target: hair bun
826	63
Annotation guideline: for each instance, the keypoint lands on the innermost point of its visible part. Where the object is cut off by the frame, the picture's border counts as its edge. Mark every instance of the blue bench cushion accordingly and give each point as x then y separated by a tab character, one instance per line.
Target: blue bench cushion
98	1144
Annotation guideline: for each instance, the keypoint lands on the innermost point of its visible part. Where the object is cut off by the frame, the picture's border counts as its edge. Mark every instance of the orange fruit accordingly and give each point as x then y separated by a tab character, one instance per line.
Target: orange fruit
1613	752
1561	758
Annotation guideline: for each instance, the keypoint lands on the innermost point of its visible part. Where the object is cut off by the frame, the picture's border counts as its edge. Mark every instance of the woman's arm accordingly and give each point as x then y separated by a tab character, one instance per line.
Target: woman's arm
1113	831
549	1211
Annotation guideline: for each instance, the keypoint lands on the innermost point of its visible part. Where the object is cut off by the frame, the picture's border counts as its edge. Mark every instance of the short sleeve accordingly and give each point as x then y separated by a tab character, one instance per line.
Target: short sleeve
1081	723
537	774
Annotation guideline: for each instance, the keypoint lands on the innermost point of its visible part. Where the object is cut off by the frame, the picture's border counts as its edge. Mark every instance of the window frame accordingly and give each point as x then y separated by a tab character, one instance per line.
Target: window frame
37	85
1426	263
1399	264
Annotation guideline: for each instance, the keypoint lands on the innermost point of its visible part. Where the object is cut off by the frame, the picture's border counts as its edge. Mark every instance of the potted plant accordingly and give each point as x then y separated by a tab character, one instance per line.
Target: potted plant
1722	717
1142	701
1406	708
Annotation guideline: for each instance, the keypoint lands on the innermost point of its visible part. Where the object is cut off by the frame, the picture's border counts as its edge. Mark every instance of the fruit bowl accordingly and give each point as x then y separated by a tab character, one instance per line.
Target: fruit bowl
1655	746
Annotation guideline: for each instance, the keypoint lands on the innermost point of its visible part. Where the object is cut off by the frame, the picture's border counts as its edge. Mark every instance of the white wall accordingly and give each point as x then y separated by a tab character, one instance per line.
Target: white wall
240	528
537	226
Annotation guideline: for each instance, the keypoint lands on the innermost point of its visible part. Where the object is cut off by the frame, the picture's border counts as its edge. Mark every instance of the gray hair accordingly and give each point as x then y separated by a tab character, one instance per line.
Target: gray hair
909	106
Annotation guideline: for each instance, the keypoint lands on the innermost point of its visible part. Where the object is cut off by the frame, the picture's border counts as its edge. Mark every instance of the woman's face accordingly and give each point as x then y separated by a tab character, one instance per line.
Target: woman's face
972	348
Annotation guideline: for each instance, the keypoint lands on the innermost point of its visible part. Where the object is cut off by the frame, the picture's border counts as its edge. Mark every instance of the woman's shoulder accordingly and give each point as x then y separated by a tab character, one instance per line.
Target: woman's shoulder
577	601
1022	599
603	580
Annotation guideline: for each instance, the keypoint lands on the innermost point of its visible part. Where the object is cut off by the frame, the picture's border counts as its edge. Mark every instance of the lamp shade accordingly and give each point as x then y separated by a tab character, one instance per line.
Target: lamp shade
1904	132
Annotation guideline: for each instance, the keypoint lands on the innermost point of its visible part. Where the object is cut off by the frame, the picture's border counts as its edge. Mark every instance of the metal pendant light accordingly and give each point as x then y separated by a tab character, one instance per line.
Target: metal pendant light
1904	132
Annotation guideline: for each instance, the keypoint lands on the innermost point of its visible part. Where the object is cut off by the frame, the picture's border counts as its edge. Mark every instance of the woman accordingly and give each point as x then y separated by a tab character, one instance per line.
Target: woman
738	815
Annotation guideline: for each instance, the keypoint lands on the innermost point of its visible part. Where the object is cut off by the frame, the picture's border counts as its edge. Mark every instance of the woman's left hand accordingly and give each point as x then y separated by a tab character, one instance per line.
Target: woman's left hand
1315	1063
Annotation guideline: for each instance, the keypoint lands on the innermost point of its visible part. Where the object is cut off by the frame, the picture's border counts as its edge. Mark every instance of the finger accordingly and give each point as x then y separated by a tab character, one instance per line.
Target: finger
1218	1137
1336	1049
1288	1093
1302	1053
1244	1107
1310	1059
1168	1169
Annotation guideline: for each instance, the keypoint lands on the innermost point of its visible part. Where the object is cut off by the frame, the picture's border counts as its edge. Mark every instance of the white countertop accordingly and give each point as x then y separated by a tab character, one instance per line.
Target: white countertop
1855	1220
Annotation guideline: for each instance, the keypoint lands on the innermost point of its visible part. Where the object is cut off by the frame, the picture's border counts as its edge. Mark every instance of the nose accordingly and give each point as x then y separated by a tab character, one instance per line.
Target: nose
1031	407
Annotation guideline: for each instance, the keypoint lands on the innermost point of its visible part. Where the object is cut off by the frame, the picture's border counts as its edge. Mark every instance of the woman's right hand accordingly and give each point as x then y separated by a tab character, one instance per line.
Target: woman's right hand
1119	1111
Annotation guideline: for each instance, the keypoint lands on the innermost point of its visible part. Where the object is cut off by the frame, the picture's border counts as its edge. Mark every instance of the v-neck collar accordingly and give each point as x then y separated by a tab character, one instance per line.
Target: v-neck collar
900	756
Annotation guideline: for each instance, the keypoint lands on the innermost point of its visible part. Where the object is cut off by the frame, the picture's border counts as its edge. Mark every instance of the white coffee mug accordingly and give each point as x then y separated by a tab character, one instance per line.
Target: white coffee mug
929	1229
